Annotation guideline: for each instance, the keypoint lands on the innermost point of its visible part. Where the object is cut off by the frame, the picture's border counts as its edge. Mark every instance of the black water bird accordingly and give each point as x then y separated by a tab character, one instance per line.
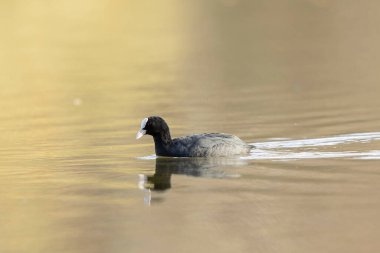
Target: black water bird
198	145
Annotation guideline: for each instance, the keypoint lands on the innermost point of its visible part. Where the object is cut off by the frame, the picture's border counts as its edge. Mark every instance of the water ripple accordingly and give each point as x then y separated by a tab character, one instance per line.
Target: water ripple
319	142
284	149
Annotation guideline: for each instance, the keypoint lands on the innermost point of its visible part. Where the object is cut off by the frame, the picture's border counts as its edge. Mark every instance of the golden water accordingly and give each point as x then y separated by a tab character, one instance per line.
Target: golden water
76	78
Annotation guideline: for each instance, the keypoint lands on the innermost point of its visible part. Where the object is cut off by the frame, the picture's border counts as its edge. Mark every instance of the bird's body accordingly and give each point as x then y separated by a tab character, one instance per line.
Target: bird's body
198	145
201	145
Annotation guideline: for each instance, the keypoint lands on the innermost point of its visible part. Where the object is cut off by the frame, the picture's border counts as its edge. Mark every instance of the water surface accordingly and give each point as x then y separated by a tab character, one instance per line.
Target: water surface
298	79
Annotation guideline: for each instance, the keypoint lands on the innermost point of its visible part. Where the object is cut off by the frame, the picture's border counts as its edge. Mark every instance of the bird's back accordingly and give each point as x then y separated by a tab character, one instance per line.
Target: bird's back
210	144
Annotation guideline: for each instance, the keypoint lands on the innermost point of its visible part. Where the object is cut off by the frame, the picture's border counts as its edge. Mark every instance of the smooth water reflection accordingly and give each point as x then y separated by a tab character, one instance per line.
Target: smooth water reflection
196	167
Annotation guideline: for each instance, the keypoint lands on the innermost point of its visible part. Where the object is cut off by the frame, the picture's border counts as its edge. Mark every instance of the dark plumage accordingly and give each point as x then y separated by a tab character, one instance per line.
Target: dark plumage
198	145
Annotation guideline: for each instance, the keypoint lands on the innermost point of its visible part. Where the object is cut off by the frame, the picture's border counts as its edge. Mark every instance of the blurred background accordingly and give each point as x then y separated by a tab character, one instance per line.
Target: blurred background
76	78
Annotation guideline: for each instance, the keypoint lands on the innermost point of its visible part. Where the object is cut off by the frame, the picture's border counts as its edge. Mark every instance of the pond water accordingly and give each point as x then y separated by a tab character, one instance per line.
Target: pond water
297	79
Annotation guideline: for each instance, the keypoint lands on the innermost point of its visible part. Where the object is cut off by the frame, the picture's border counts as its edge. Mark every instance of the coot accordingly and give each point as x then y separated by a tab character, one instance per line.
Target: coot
198	145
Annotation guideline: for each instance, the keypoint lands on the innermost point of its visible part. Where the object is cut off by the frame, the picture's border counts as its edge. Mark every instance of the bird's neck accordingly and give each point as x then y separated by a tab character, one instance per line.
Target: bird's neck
162	142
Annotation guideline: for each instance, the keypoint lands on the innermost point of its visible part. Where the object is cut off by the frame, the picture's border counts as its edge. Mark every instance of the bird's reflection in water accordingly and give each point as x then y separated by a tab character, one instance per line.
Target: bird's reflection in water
197	167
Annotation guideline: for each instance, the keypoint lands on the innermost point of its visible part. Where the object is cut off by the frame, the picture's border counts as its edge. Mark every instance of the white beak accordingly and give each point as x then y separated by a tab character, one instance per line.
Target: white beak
140	134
